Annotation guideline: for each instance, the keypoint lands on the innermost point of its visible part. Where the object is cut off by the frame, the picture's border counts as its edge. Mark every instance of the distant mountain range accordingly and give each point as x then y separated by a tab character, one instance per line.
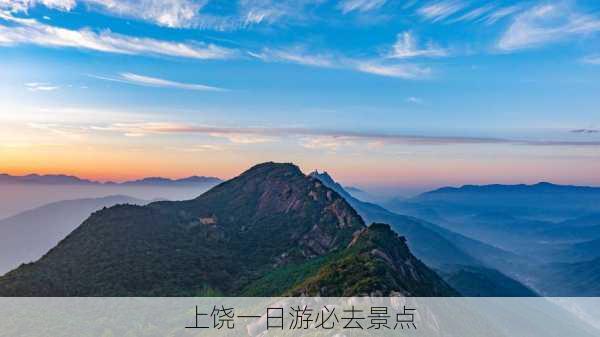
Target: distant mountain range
72	180
544	201
29	235
555	228
443	249
307	235
474	281
271	231
541	187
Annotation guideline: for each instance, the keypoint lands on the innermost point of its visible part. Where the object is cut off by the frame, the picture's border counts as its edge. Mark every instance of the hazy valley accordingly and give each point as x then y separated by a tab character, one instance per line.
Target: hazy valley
496	240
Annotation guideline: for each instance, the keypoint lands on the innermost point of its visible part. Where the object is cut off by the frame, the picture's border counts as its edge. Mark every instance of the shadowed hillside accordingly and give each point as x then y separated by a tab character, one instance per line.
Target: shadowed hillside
270	219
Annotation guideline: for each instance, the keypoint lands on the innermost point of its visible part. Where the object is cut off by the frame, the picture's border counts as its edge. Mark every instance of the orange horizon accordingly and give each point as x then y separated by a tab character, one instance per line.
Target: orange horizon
349	176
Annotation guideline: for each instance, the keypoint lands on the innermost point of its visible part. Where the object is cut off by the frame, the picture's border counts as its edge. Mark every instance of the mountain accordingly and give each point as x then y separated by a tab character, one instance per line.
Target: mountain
579	229
352	190
272	221
44	179
377	263
544	201
27	236
157	181
428	245
72	180
476	281
438	247
508	232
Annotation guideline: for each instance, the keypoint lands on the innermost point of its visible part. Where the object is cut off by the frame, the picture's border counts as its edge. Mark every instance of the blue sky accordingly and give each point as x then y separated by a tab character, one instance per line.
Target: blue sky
381	93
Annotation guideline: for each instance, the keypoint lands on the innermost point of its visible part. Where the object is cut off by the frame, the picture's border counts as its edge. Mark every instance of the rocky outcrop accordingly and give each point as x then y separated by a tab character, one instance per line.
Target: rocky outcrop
269	220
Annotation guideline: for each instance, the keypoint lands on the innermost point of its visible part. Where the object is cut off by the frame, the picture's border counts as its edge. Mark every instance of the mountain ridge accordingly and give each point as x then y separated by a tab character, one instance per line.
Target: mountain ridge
201	246
62	179
438	247
540	186
26	236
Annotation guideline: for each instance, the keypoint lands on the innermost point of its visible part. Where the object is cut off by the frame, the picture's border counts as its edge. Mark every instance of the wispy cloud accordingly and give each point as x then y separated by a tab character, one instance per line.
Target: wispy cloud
414	100
149	81
545	24
347	6
260	15
326	142
406	47
197	148
251	12
474	14
500	14
376	66
297	55
244	138
30	31
67	131
585	131
37	86
24	5
488	14
400	70
437	11
323	137
274	11
172	13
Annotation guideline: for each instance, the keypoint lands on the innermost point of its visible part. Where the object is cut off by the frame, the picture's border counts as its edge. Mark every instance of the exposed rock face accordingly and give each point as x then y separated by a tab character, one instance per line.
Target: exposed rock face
270	219
376	263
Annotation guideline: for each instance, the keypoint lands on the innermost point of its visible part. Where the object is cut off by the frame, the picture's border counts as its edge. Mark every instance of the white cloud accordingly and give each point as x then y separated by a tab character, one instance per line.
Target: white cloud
169	13
500	13
233	135
402	70
329	143
296	55
321	137
406	47
414	100
347	6
189	13
271	11
29	31
488	14
441	10
24	5
37	86
376	66
149	81
258	15
183	13
545	24
475	13
197	148
244	138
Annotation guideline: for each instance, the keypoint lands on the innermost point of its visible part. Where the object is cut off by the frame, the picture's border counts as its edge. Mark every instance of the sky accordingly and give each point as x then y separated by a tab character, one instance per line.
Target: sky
383	94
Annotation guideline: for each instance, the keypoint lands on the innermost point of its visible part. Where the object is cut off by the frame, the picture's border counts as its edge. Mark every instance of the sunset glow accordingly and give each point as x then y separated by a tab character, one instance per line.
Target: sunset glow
416	103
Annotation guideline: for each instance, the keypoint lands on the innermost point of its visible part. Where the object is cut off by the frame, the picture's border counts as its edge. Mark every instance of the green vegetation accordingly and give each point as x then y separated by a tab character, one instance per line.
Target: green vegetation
265	233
